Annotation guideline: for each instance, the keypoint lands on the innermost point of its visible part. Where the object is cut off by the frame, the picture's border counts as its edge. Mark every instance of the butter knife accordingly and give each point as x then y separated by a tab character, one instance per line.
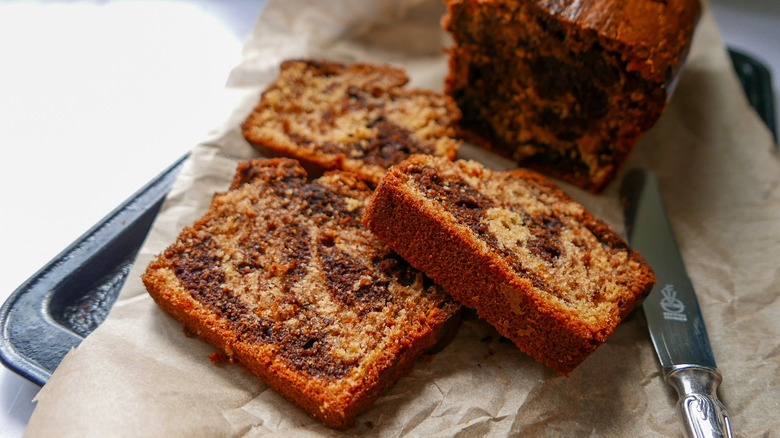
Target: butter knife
672	310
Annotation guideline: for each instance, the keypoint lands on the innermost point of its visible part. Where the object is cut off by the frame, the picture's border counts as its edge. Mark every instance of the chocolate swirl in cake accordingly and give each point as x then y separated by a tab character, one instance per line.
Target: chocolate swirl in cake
281	275
533	262
358	118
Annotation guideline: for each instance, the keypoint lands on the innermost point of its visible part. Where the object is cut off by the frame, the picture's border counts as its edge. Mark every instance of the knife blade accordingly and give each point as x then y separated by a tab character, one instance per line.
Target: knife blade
672	311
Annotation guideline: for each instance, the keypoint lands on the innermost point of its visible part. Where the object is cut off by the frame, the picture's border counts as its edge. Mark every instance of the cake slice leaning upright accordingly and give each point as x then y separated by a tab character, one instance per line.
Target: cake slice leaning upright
281	275
533	262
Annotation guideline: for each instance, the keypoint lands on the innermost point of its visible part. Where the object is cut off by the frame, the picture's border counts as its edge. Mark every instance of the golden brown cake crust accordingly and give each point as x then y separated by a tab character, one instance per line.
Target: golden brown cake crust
281	276
565	87
357	117
535	264
651	35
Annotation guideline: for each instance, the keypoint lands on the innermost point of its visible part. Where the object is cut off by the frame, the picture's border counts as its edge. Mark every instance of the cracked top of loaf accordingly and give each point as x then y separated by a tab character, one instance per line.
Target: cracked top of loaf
650	35
359	118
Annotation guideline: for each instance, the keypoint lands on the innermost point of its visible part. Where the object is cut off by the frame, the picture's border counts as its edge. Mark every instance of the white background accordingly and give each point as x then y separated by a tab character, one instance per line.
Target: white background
98	97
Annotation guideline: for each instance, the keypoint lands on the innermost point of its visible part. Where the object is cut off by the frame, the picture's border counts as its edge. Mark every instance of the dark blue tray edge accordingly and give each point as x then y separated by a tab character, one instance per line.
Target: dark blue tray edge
33	340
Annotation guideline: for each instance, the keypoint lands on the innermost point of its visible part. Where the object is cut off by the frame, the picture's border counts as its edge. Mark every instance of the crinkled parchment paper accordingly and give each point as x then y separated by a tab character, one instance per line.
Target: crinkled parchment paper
138	375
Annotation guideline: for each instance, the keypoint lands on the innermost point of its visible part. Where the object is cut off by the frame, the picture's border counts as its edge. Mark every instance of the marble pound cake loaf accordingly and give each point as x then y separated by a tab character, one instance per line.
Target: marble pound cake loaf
534	263
565	87
281	276
358	118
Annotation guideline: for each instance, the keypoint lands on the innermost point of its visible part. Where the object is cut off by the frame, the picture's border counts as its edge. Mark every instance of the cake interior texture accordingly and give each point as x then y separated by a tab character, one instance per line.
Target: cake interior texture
565	87
533	262
281	275
359	118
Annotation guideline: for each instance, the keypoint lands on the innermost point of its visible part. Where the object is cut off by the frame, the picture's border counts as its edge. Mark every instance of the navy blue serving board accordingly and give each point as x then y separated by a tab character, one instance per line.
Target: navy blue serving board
55	309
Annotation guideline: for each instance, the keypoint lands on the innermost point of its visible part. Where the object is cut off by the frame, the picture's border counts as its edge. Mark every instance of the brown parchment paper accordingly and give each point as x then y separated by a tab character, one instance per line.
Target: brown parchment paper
138	375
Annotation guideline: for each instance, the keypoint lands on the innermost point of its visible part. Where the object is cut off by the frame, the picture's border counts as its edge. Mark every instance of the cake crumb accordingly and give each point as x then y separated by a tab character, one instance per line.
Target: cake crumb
218	357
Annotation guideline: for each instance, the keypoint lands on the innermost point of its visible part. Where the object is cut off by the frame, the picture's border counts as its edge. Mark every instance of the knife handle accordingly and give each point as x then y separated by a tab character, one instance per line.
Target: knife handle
703	414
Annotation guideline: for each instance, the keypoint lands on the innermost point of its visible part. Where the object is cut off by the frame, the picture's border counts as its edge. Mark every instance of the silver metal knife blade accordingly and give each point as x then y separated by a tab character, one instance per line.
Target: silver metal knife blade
672	310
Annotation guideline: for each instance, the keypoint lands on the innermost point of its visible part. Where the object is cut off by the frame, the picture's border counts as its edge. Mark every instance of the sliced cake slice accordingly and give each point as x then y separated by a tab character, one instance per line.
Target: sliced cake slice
358	118
281	275
533	262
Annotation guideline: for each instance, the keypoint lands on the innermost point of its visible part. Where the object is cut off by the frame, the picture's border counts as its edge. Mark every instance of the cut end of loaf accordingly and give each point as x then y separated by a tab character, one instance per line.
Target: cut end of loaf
566	89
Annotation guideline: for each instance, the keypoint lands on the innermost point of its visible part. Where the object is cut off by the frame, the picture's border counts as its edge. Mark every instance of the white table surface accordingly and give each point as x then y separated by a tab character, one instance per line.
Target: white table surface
76	144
